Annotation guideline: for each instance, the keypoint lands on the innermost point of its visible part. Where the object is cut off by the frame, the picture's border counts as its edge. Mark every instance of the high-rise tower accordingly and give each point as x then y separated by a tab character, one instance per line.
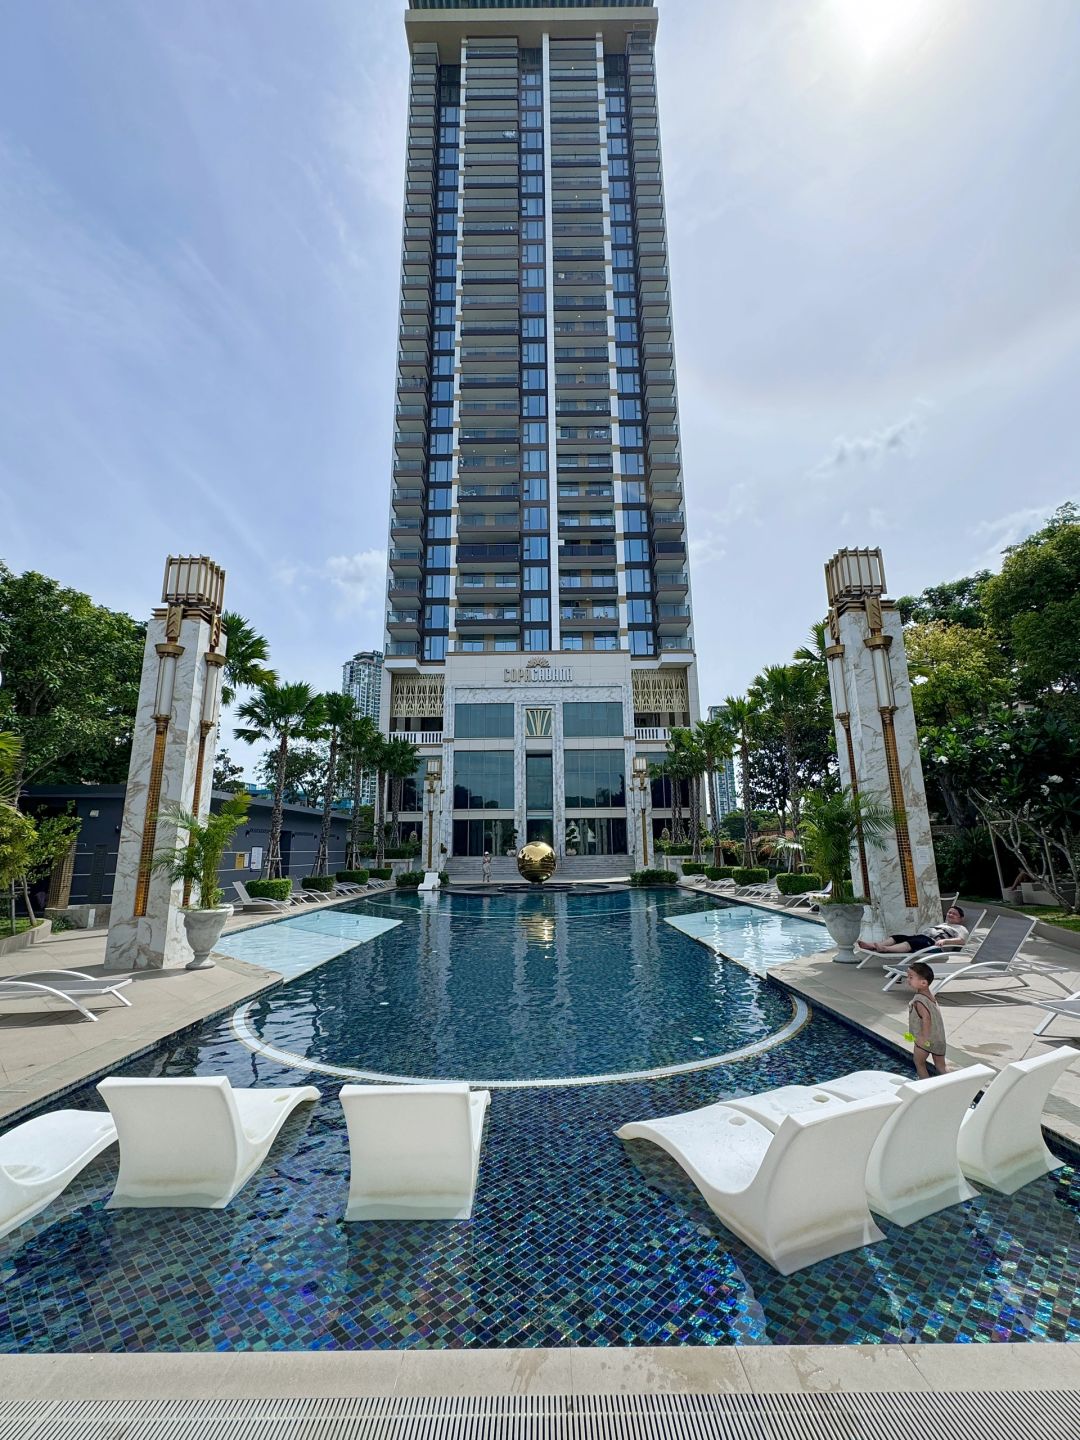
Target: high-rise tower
539	639
361	677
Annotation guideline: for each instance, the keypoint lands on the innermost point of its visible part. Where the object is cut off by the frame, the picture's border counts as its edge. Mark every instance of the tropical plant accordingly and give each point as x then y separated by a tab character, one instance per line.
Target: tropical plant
813	652
831	826
717	746
362	744
277	714
339	711
789	693
400	759
10	758
227	774
246	653
195	856
740	715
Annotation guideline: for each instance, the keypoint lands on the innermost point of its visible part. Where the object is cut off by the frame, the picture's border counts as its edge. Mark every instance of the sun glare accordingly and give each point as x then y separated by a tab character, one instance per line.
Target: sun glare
878	30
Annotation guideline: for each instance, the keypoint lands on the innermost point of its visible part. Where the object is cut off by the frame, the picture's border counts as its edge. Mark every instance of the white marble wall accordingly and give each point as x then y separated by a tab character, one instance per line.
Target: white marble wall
157	939
888	912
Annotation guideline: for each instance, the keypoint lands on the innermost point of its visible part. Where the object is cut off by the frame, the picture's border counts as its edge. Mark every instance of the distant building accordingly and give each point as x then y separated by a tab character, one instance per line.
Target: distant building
726	791
361	677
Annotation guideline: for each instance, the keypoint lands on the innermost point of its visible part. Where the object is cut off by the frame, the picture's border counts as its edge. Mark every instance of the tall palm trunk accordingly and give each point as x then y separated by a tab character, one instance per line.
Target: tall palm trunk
695	816
353	859
273	850
793	782
322	860
380	813
748	837
395	806
676	812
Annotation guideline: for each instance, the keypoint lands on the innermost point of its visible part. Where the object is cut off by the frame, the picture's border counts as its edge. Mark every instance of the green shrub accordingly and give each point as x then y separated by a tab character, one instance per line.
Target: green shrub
352	877
269	889
792	884
750	874
693	867
385	874
653	877
324	883
444	877
410	879
718	872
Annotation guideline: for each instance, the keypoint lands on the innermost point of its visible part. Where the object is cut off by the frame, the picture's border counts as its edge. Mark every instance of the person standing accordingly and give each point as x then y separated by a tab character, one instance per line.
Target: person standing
926	1028
485	868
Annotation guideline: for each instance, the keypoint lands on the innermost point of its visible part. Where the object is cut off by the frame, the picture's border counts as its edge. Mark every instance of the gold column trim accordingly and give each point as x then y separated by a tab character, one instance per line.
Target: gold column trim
896	790
153	800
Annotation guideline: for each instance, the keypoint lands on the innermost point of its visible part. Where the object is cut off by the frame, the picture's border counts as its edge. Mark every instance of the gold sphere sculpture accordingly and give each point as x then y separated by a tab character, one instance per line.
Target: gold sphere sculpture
536	862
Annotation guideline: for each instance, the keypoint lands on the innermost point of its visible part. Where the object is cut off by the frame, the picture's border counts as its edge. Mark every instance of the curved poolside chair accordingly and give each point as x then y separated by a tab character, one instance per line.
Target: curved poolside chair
1001	1143
40	1158
66	985
796	1195
996	957
414	1150
192	1142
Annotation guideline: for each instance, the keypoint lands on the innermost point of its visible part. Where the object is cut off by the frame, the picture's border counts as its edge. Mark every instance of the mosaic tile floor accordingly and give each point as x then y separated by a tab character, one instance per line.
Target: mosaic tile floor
576	1240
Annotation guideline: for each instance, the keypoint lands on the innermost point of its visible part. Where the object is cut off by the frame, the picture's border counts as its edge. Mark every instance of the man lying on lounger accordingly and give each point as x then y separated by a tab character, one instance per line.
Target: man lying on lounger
951	935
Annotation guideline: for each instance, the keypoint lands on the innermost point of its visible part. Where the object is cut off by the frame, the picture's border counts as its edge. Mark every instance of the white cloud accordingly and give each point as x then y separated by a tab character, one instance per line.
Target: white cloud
851	452
358	578
1009	530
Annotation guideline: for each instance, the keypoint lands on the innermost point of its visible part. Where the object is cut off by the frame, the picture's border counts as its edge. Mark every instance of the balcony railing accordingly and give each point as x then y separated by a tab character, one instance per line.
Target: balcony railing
654	733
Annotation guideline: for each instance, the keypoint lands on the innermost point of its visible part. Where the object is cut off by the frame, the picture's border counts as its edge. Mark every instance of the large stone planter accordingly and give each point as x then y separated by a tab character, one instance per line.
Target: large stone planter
843	923
204	929
9	944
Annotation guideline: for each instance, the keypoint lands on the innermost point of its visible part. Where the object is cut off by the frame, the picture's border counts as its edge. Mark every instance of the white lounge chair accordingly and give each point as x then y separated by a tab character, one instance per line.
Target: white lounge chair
71	986
430	881
259	902
1067	1008
1001	1143
758	1181
41	1157
913	1169
414	1150
997	956
192	1142
972	921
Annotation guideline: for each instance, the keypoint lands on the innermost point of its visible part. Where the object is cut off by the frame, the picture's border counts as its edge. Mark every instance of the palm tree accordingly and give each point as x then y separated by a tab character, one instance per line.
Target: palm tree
10	756
740	714
361	742
339	711
379	749
715	742
245	653
813	652
399	763
684	761
277	714
833	826
789	692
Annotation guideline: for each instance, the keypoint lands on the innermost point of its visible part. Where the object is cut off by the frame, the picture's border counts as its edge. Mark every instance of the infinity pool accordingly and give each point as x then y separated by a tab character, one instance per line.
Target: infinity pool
576	1239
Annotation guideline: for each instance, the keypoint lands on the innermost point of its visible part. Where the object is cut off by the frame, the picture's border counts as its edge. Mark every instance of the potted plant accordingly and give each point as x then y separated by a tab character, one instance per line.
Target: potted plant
831	828
195	861
573	838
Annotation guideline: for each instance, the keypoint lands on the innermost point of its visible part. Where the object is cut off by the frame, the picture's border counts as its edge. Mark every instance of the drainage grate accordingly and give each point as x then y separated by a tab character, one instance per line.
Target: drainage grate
908	1416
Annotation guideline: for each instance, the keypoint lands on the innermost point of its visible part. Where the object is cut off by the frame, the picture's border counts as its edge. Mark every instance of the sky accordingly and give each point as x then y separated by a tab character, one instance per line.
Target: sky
874	220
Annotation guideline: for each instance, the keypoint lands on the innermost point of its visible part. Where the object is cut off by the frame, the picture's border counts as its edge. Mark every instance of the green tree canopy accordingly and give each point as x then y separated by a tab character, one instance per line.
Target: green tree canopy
70	681
1034	606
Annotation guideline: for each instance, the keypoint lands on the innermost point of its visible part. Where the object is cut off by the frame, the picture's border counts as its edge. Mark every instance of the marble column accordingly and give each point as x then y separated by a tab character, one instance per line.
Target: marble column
172	755
878	746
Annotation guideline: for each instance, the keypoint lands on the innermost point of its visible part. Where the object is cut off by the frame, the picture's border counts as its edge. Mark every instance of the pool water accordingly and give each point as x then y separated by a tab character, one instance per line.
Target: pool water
576	1239
522	987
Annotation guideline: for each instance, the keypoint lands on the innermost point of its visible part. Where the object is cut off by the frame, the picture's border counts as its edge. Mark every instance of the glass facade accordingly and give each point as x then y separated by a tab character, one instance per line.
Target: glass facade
537	498
593	720
595	779
484	780
484	722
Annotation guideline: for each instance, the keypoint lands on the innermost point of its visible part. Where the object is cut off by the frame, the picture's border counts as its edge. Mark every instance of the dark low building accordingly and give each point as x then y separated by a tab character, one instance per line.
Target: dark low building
88	877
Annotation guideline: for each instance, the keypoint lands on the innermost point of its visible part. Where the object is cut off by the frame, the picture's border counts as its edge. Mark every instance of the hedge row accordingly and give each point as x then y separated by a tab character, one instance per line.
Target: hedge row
269	889
653	877
750	874
719	872
324	883
353	877
412	879
387	873
792	884
693	867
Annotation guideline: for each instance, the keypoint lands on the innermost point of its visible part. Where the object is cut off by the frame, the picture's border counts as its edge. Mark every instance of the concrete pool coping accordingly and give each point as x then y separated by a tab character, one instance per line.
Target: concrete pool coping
1031	1366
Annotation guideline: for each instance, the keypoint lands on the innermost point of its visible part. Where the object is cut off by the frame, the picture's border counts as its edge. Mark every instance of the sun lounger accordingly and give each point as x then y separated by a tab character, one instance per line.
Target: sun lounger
756	1179
973	920
192	1142
913	1169
259	903
996	956
414	1150
70	986
41	1157
1067	1008
430	881
1001	1143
